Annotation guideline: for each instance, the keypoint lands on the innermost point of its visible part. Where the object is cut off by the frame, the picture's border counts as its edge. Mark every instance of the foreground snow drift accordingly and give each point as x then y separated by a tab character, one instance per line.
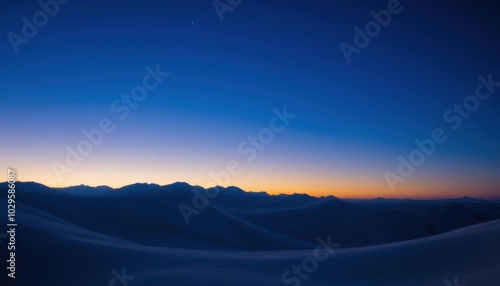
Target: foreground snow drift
54	251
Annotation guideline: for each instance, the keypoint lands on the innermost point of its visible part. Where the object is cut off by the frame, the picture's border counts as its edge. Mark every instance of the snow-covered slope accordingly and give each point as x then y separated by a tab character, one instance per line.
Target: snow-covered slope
53	251
248	239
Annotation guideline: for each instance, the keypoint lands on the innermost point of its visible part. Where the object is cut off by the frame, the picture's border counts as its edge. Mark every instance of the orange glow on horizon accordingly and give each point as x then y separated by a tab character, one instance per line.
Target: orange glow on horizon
342	191
274	181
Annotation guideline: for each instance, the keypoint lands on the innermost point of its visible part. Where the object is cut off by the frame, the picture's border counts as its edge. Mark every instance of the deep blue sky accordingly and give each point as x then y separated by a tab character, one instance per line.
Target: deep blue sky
353	120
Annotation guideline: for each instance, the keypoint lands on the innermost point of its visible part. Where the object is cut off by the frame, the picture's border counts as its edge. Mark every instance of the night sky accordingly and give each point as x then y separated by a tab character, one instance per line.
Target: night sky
351	121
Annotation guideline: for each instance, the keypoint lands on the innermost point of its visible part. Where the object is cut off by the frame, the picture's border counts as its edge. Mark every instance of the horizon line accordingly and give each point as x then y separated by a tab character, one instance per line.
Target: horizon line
270	194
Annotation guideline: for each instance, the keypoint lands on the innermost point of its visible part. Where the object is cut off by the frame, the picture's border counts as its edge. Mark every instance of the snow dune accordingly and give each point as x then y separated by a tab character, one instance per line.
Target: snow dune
79	240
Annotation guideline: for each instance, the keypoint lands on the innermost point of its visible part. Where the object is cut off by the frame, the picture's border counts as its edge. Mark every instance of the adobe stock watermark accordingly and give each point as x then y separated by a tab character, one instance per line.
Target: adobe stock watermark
362	38
309	264
455	282
30	28
222	7
11	222
454	117
122	278
121	108
248	148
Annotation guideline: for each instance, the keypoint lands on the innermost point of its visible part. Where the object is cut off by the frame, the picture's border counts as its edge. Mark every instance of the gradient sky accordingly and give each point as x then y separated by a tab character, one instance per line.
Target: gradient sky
353	120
